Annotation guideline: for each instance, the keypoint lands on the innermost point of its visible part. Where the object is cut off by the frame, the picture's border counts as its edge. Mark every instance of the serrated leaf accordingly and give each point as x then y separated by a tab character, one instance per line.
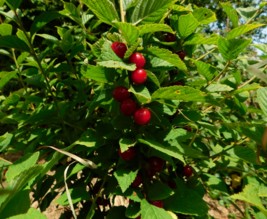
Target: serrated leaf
129	32
141	93
247	12
72	12
206	70
153	78
125	143
103	9
182	93
98	73
246	154
129	3
198	38
231	12
13	4
151	28
238	31
149	211
168	56
5	29
150	11
218	88
165	191
117	64
89	139
262	99
187	24
230	49
13	42
77	194
204	15
247	87
5	77
125	178
43	19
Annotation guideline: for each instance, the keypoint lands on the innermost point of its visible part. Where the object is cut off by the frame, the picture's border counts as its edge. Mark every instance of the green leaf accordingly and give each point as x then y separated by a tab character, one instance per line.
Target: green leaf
187	24
72	12
150	11
247	13
129	32
21	165
129	3
5	77
218	87
90	139
155	187
103	9
149	211
125	178
238	31
13	42
31	213
13	4
151	28
230	49
248	87
77	194
246	154
125	143
231	12
98	73
204	15
43	19
206	70
141	93
5	141
198	38
117	64
262	99
5	29
182	93
168	56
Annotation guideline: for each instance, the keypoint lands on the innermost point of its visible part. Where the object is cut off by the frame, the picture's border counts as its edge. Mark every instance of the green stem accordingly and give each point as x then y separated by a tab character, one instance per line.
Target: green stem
123	13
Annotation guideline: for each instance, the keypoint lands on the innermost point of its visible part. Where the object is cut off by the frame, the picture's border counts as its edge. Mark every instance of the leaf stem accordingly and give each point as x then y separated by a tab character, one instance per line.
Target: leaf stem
123	13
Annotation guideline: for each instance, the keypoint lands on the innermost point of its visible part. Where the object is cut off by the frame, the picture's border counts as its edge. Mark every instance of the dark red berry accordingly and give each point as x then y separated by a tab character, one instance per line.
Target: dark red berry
142	116
169	37
156	164
181	54
172	184
137	182
158	203
128	154
187	171
119	48
120	93
139	76
138	59
128	107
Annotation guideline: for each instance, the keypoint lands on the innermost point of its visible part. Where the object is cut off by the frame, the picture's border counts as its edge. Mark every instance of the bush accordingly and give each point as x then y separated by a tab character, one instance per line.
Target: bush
102	99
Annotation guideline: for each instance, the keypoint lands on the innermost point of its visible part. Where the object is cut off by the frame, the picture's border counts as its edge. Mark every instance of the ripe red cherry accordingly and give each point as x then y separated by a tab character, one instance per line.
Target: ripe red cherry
137	182
142	116
169	37
187	171
158	203
139	76
138	59
119	48
128	154
156	164
181	54
120	93
128	107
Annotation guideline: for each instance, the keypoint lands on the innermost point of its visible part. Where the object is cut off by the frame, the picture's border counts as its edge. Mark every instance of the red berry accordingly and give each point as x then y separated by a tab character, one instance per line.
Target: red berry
128	107
128	154
172	184
119	48
187	171
138	59
158	203
137	182
120	93
169	37
139	76
142	116
181	54
156	164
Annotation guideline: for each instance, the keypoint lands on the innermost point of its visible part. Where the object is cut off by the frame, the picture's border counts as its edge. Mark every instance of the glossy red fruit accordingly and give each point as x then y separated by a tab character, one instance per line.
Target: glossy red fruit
137	182
169	37
158	203
156	164
119	48
142	116
187	171
128	107
138	59
120	93
181	54
128	154
139	76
